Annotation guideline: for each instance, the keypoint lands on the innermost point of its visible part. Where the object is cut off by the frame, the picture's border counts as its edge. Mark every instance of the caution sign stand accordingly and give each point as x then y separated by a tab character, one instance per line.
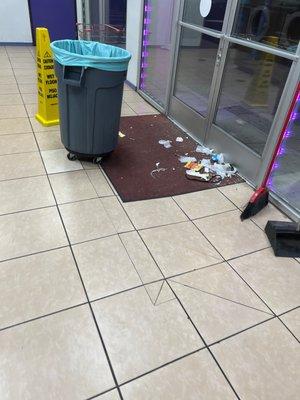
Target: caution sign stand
258	93
47	114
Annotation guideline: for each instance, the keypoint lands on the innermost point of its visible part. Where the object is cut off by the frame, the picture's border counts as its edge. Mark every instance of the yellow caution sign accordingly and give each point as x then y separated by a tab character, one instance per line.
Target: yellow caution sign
47	114
257	94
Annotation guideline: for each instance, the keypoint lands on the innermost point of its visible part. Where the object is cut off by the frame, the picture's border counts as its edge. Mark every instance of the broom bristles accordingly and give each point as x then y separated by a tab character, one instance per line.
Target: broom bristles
256	205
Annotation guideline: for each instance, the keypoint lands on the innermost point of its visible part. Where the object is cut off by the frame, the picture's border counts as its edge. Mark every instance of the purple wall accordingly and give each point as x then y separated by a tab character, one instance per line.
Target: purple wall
58	16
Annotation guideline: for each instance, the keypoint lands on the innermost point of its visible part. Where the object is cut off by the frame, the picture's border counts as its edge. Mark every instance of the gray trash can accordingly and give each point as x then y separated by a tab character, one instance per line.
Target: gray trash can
91	78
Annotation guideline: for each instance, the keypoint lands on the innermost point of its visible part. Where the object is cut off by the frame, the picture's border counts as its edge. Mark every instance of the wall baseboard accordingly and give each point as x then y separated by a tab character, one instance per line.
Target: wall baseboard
131	85
15	44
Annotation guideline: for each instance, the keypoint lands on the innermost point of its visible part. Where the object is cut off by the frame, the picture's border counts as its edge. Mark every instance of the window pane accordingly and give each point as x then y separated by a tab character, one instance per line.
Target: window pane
195	12
275	23
285	179
252	85
156	54
196	61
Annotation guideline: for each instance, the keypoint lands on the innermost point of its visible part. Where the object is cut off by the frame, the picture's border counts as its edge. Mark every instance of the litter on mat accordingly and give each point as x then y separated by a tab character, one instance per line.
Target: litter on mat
212	169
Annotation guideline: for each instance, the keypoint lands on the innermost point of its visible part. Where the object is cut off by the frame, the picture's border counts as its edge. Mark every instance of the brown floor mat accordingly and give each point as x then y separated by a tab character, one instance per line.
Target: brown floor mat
129	166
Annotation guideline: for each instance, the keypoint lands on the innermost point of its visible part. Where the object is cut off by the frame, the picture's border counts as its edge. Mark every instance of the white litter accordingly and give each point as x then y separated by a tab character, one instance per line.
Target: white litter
179	139
204	150
165	143
205	177
157	170
186	159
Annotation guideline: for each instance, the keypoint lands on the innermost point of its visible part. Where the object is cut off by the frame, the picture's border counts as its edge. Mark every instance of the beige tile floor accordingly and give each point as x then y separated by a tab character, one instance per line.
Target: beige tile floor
166	299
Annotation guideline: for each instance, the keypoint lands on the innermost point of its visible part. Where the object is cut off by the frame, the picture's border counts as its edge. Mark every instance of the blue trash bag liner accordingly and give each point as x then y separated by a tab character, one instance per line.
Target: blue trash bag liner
83	53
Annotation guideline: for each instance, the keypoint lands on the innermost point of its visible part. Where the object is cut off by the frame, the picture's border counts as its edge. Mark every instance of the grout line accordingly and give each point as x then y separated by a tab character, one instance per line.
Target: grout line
142	285
162	366
241	331
32	254
80	277
164	279
286	312
191	321
220	297
42	316
120	238
291	332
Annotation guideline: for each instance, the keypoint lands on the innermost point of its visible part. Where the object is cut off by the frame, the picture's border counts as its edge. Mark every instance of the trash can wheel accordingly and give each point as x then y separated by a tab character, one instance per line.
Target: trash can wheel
97	160
72	156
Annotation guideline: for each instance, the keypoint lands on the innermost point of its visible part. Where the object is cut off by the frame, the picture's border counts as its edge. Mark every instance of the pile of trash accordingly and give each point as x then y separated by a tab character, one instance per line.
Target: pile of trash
212	169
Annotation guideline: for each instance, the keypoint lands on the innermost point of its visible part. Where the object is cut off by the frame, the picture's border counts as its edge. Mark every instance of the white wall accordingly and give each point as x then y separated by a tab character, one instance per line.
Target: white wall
133	31
14	21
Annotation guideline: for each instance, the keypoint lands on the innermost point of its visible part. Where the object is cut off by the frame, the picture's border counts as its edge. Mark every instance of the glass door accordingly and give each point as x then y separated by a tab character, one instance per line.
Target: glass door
236	62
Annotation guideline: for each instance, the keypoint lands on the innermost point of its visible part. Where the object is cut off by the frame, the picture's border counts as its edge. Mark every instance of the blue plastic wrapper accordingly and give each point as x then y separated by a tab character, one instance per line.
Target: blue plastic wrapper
83	53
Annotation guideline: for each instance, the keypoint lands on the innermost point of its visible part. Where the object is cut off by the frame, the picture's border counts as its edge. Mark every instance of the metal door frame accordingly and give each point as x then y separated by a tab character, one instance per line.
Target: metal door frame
250	161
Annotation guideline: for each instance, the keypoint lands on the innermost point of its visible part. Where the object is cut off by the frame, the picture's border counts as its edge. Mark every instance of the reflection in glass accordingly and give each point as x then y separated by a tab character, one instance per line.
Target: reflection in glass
214	19
252	85
156	63
285	178
275	22
196	61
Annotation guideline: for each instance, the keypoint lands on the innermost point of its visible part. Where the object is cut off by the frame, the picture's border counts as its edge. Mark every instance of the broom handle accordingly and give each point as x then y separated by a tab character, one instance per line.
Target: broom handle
281	136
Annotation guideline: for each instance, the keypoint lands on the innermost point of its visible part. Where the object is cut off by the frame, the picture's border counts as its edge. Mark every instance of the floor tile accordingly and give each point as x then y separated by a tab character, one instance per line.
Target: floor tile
292	320
116	214
231	236
219	302
127	87
105	267
28	88
25	194
88	165
131	96
141	258
27	79
38	127
86	220
159	292
56	161
127	111
16	111
132	331
19	143
99	183
4	80
31	109
141	108
49	140
269	213
9	88
239	194
26	62
195	377
4	72
179	248
36	285
57	357
275	279
151	213
30	232
30	98
18	125
204	203
72	186
262	363
10	99
25	72
21	166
